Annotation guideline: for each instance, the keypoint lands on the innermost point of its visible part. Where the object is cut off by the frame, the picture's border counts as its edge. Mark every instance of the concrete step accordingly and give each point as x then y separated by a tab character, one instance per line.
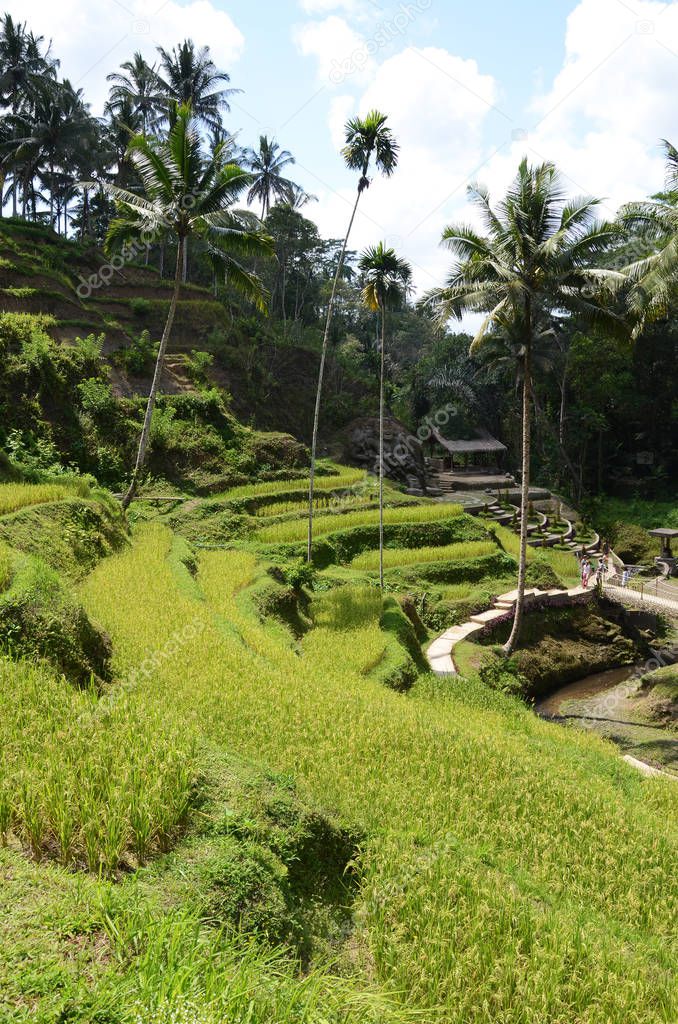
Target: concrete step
482	618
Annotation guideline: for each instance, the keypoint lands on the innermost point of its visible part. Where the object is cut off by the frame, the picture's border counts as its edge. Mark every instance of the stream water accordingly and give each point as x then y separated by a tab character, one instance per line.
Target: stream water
605	704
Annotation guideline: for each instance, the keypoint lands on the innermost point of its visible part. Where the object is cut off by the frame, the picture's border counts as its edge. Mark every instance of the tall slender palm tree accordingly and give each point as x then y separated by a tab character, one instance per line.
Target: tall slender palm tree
137	84
387	280
187	75
267	164
540	255
185	194
654	222
365	138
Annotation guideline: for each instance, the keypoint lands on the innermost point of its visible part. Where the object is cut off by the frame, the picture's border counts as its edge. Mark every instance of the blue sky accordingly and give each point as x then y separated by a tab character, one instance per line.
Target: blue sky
469	89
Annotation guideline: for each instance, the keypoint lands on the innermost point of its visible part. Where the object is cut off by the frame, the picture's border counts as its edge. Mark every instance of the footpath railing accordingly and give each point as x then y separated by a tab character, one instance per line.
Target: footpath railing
656	594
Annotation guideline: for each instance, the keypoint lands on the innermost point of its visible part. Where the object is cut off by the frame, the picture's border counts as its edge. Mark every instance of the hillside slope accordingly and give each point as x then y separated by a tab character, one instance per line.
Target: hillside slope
252	823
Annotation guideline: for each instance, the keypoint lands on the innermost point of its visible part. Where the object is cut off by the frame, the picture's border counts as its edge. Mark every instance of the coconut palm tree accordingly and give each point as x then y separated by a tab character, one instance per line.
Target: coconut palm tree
387	280
136	86
540	254
366	138
267	164
23	69
653	224
187	75
185	194
45	135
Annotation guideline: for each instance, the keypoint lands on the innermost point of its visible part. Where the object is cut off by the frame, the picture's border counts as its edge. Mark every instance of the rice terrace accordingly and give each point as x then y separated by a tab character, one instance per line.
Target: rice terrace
339	513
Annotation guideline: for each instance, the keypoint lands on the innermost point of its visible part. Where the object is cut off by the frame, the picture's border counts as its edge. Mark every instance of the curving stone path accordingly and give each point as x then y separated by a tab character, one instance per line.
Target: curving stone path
439	652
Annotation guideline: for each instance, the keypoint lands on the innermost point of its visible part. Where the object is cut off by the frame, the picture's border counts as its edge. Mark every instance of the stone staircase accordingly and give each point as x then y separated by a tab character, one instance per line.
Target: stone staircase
440	651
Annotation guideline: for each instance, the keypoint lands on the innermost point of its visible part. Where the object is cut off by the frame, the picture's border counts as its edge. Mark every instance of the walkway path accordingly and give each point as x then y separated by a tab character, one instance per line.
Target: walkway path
626	595
439	653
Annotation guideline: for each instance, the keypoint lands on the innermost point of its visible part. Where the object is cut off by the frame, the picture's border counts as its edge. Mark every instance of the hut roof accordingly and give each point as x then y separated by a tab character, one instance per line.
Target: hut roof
483	442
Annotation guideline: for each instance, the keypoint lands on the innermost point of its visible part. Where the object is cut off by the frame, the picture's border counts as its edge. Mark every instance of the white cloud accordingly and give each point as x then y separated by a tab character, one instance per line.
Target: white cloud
437	105
92	40
610	104
339	50
324	6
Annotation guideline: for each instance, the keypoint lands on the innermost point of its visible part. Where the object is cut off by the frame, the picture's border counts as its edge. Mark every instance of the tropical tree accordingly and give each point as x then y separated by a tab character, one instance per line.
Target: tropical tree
46	136
267	164
187	75
366	138
136	89
186	194
387	279
540	255
653	225
23	70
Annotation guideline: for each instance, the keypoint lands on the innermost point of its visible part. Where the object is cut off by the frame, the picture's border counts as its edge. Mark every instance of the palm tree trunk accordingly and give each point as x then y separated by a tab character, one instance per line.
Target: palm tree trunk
51	194
321	374
510	644
184	268
157	374
381	449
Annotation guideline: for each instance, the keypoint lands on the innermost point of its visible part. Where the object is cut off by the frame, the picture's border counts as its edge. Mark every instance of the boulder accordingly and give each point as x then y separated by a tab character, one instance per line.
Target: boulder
403	453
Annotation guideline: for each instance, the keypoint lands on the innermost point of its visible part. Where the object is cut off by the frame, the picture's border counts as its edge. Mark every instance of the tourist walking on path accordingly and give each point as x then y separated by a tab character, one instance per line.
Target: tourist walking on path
585	572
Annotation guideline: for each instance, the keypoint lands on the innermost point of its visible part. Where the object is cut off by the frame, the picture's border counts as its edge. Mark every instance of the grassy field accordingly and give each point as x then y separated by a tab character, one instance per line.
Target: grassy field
295	530
564	563
340	480
489	832
503	868
395	557
17	496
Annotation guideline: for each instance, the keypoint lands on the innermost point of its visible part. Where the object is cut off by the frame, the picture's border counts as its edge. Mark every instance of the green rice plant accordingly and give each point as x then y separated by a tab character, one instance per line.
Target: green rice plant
564	563
321	503
5	813
16	496
343	479
395	557
499	847
295	530
510	541
347	608
6	566
32	817
458	591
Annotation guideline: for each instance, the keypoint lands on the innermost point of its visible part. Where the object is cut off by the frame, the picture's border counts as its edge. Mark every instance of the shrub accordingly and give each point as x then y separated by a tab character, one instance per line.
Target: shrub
96	397
633	544
299	574
90	347
500	673
140	355
198	364
140	307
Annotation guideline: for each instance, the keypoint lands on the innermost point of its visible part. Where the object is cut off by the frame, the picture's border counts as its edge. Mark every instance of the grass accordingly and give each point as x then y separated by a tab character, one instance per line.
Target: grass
500	847
343	479
321	503
295	530
395	557
509	870
564	563
17	496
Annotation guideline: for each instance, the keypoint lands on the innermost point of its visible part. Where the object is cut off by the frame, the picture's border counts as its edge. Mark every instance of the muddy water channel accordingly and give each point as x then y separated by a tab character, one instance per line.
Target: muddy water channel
608	703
